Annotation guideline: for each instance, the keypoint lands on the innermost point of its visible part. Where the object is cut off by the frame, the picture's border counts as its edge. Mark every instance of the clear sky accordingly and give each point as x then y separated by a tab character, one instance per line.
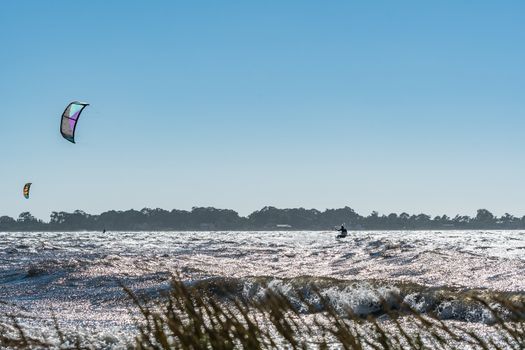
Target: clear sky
415	106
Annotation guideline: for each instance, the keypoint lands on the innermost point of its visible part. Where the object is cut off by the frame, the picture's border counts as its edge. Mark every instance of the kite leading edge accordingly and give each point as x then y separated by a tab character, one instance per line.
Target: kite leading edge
69	120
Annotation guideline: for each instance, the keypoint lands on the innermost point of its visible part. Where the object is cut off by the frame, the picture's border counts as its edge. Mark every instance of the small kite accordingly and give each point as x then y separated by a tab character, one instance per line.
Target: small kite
27	186
69	120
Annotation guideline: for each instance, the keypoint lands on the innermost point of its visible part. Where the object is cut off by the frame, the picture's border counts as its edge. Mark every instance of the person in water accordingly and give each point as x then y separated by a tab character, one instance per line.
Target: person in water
343	231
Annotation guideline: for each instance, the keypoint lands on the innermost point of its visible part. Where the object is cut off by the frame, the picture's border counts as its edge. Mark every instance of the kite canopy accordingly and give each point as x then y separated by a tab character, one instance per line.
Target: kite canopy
27	186
69	119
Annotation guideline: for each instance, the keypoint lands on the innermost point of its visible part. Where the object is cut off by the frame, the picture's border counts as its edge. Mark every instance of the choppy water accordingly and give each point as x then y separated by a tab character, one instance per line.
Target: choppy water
76	276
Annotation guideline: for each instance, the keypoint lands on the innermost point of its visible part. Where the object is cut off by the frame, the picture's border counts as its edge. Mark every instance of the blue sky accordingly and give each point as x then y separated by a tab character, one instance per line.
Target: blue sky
380	105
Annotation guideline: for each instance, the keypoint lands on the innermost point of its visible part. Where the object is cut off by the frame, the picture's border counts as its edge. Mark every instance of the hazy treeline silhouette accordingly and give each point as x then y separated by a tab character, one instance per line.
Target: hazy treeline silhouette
268	218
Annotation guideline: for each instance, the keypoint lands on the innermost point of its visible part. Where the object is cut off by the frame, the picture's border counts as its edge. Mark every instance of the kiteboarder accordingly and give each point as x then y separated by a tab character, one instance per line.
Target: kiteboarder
343	231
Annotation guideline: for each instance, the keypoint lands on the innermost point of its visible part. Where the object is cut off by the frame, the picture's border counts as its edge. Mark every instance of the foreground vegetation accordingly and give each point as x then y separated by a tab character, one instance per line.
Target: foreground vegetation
268	218
193	318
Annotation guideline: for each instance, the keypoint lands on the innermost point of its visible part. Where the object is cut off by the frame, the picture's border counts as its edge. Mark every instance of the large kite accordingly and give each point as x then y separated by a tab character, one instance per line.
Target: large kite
27	187
69	120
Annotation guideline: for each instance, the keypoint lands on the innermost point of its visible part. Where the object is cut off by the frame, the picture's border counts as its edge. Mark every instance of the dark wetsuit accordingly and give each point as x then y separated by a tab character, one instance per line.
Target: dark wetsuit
343	231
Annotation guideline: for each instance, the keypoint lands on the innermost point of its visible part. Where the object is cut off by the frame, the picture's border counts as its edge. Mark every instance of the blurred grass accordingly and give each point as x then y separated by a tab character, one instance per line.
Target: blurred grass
195	318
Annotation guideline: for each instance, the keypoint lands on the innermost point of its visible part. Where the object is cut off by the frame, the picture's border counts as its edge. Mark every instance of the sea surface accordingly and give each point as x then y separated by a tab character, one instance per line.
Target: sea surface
77	277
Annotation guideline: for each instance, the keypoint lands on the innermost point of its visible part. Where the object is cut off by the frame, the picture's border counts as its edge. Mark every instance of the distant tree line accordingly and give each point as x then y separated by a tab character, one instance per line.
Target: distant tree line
268	218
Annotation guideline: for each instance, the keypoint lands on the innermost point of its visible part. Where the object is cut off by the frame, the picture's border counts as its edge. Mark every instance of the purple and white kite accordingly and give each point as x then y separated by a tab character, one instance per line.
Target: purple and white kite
69	120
